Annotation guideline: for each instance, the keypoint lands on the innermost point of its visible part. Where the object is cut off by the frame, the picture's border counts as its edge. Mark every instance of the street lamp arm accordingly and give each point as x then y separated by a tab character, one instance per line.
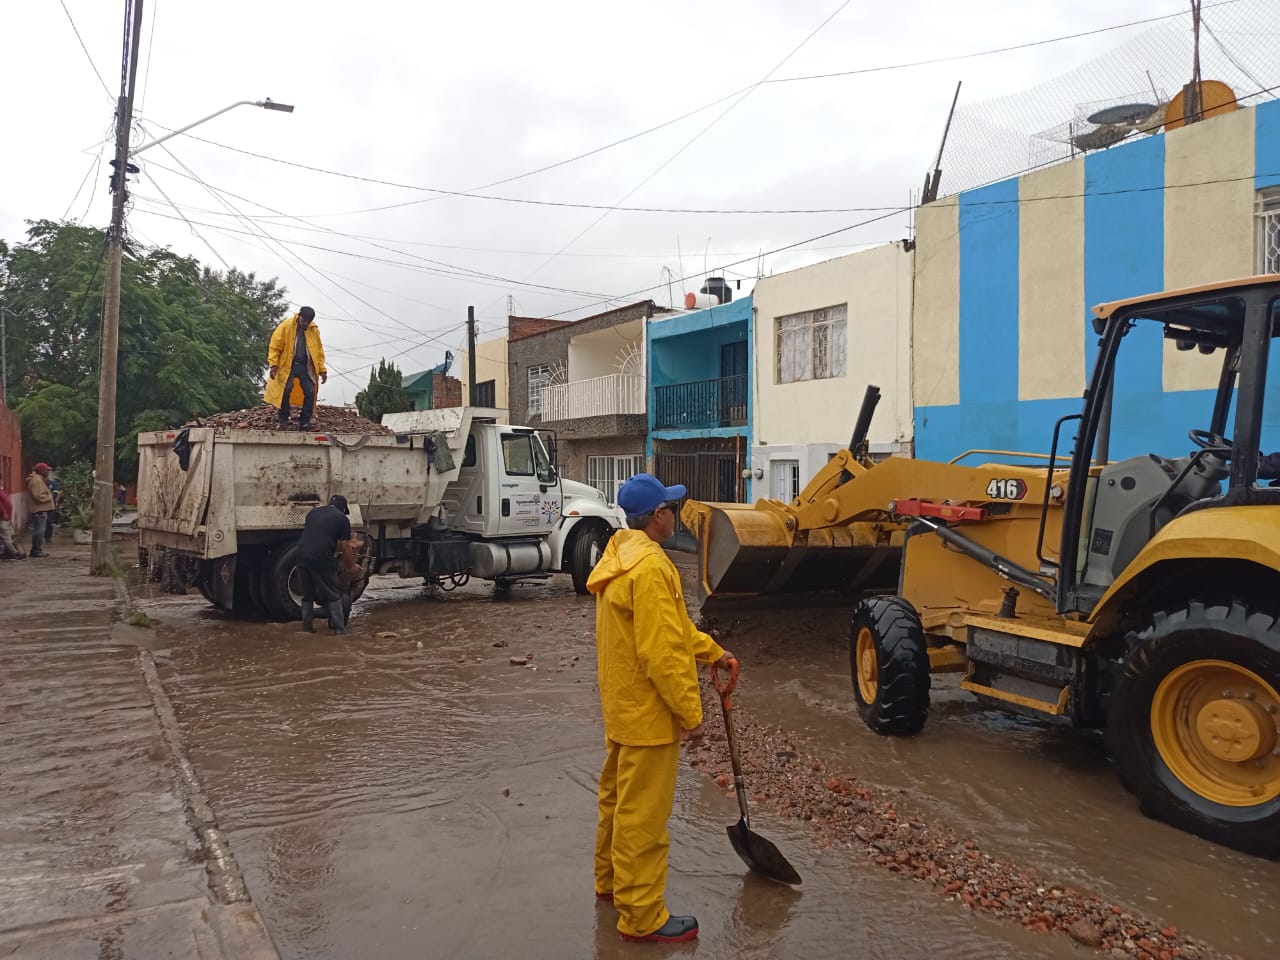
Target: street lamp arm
267	104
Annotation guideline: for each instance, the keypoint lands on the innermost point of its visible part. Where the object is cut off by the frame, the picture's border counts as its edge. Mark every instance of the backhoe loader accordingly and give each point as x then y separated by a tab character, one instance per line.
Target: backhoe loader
1140	597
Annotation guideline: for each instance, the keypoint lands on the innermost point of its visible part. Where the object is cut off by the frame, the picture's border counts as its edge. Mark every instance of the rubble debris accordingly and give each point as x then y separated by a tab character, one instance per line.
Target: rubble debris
264	417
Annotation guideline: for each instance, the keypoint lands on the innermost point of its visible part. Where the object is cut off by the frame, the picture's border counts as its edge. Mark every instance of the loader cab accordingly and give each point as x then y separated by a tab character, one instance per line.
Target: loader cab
1216	344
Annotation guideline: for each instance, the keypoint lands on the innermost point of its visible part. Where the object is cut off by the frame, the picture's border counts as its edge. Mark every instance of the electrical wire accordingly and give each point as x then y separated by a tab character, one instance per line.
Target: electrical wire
88	56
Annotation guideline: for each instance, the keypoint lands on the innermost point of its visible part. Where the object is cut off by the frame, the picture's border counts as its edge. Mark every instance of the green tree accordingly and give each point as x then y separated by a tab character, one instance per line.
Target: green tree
193	341
385	393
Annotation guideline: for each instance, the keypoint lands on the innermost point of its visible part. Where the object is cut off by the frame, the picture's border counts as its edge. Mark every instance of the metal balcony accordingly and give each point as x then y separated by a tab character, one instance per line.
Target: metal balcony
612	395
701	403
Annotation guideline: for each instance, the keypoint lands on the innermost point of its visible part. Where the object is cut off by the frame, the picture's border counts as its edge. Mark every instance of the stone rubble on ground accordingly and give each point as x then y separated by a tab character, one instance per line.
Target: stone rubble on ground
849	815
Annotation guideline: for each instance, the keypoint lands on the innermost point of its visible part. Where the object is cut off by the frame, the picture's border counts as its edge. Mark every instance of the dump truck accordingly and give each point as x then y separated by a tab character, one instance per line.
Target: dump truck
1138	596
451	495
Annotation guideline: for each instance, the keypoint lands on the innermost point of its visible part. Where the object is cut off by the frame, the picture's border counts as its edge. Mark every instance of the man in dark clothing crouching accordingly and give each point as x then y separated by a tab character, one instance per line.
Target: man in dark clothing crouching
325	534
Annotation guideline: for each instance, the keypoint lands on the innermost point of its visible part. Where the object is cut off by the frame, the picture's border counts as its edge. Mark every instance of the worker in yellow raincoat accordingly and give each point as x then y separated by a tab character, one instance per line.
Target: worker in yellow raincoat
295	360
647	649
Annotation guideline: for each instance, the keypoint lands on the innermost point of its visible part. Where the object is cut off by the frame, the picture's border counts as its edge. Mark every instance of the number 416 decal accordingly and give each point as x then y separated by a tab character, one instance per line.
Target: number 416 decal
1007	488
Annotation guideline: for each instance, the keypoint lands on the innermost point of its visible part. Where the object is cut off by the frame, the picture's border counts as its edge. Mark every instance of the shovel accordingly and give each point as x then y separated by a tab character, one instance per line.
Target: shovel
756	852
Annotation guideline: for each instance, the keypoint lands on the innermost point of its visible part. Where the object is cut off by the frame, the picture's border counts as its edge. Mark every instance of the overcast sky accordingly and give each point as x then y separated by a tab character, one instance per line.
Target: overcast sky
459	96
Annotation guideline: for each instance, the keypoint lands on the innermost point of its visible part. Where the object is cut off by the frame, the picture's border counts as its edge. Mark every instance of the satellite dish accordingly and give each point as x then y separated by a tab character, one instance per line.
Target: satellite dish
1216	98
1124	114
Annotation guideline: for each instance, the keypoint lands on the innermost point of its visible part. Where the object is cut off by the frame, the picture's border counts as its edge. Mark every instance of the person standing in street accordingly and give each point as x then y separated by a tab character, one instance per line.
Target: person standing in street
325	533
8	549
40	505
295	361
648	650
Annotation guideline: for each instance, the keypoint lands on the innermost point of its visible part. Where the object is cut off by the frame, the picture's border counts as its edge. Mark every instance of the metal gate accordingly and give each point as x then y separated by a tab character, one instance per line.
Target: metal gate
713	477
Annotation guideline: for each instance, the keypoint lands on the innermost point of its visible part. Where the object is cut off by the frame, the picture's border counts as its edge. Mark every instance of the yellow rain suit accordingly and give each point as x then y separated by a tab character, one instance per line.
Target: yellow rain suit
647	648
280	356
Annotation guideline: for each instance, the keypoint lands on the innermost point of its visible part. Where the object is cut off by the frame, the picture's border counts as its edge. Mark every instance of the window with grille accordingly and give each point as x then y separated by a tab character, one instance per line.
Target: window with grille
786	479
538	376
1268	212
607	474
812	345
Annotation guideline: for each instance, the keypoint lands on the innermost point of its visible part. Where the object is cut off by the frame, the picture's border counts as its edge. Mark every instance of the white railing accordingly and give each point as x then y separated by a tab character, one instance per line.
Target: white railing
618	393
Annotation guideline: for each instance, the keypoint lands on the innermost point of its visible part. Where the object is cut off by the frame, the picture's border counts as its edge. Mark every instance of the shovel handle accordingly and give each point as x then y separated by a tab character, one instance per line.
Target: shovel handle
725	687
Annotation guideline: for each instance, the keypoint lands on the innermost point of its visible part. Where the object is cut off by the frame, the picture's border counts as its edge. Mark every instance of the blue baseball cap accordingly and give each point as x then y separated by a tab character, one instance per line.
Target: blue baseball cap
644	493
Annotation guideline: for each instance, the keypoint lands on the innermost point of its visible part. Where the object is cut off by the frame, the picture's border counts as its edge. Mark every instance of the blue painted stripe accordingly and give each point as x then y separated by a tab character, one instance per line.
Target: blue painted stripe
988	294
1124	250
1266	144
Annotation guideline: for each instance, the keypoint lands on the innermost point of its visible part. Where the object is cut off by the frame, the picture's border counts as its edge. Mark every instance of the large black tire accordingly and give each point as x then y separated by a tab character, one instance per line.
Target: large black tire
281	591
1198	672
889	660
589	542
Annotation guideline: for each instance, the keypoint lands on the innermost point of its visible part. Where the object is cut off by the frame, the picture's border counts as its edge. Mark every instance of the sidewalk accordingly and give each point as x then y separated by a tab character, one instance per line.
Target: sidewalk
103	846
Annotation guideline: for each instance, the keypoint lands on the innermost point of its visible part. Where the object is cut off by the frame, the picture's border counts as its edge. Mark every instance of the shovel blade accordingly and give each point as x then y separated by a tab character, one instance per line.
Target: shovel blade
761	855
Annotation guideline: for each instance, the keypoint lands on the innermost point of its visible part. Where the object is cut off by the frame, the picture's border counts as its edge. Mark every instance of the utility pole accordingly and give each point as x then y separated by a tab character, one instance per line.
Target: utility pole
471	356
104	462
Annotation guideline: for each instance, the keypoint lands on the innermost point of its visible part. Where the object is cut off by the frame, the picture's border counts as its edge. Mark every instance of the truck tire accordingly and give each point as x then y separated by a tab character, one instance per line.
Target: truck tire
281	592
1192	728
588	544
246	592
889	658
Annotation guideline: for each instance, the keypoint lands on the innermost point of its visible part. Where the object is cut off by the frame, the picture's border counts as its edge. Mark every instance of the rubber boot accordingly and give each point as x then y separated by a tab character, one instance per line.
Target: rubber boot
308	615
337	617
675	930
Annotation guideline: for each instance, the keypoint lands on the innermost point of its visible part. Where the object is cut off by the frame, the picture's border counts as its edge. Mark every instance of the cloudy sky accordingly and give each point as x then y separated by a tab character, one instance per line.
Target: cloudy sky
400	100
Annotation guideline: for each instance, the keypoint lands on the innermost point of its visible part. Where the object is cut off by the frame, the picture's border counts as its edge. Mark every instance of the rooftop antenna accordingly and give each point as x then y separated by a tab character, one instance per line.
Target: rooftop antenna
932	181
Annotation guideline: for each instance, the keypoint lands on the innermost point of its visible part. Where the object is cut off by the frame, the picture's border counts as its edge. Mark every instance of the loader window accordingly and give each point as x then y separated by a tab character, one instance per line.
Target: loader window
517	454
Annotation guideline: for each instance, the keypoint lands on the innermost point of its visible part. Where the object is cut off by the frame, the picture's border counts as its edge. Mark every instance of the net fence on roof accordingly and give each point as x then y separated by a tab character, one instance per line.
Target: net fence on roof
1127	88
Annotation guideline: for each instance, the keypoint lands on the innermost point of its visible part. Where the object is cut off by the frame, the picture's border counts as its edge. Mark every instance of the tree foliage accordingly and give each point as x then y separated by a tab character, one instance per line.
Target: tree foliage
385	393
193	341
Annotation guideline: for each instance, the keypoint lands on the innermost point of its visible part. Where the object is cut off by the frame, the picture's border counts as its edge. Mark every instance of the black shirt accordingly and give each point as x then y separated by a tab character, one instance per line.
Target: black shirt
321	531
300	356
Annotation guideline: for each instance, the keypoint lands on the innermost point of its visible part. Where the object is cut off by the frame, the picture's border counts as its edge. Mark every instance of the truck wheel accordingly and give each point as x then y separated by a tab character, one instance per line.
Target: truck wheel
1194	725
246	594
281	591
890	663
588	545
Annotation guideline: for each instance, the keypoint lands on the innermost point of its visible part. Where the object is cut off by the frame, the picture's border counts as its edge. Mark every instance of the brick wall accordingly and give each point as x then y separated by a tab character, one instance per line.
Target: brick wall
445	391
11	465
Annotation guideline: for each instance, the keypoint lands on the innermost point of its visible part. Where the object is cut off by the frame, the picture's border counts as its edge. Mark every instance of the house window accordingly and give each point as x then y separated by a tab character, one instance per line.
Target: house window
539	374
1268	213
812	345
486	394
607	474
786	479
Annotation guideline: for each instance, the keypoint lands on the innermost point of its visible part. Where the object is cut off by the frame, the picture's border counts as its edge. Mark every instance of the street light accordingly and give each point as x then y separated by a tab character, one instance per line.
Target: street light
104	461
267	104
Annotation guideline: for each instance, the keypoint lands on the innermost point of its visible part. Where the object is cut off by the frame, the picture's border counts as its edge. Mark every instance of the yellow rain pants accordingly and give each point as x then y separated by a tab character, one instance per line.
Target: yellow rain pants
637	790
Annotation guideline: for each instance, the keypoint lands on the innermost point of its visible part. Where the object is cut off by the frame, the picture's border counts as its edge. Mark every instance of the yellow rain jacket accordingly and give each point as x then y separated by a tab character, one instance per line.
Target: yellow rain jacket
280	356
646	645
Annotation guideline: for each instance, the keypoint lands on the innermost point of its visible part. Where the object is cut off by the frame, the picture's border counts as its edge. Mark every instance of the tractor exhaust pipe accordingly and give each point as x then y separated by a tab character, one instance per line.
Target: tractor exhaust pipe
859	439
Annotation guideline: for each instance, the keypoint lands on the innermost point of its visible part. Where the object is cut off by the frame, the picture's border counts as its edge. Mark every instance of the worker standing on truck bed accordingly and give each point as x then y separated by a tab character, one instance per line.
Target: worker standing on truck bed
325	533
647	650
295	360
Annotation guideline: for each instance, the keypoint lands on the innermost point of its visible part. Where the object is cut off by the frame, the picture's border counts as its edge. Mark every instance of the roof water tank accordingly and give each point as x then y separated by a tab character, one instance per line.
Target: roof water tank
717	288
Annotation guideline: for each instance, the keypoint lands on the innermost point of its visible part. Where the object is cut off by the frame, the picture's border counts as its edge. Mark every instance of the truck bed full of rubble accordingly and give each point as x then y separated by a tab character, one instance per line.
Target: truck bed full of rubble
264	417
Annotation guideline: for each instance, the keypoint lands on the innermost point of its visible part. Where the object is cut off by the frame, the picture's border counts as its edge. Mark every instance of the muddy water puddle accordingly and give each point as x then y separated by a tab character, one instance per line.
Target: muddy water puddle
404	791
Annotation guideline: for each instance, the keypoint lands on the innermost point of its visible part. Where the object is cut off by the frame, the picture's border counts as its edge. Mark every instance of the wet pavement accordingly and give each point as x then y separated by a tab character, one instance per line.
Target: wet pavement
405	791
97	858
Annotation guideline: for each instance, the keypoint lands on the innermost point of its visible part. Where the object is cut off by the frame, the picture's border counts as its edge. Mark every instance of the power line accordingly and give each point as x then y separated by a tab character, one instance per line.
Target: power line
439	193
88	56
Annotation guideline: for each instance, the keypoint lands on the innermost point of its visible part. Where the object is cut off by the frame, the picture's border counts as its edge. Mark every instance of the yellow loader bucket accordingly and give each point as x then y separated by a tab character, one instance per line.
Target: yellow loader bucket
751	549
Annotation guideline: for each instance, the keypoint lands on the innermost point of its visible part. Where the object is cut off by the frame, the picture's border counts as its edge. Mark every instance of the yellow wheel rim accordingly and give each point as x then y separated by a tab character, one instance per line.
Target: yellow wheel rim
1216	725
866	665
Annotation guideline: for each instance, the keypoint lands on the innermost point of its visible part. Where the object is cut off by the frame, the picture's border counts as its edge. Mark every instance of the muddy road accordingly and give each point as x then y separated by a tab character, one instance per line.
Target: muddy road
405	791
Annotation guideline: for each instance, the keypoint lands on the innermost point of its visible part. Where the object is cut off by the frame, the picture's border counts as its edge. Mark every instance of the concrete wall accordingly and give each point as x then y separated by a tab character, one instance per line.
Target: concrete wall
1006	274
877	287
491	364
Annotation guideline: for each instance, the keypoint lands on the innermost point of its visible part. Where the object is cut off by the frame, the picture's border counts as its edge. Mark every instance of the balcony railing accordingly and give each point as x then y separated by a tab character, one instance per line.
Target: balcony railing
617	393
702	403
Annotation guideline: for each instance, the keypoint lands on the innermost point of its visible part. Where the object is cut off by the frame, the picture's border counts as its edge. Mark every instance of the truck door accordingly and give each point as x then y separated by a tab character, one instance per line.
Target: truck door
529	497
